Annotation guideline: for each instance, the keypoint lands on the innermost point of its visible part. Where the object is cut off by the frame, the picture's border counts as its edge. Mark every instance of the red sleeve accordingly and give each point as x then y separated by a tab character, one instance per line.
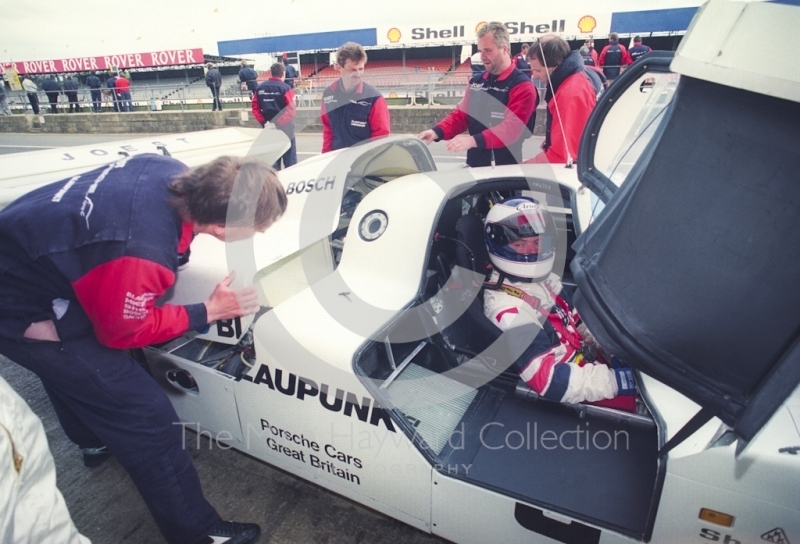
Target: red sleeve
327	133
626	56
457	121
119	298
289	110
380	123
602	60
257	110
575	106
521	104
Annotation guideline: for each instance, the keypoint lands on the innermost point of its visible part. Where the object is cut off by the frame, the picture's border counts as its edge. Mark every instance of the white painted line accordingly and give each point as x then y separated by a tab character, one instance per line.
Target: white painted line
30	146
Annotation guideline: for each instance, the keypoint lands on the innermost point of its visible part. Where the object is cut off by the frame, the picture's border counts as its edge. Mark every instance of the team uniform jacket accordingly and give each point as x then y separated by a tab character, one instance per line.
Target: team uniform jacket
498	111
352	117
638	51
553	365
94	252
576	94
274	101
611	64
521	64
249	77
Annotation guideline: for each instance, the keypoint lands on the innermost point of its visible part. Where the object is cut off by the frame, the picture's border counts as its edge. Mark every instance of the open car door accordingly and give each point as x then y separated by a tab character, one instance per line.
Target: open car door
690	273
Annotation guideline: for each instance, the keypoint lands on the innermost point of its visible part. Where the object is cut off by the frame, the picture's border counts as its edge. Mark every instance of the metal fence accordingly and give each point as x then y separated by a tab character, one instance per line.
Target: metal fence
409	87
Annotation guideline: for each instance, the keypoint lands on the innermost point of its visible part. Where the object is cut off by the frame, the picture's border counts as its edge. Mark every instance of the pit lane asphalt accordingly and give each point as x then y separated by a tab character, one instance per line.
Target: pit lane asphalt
105	505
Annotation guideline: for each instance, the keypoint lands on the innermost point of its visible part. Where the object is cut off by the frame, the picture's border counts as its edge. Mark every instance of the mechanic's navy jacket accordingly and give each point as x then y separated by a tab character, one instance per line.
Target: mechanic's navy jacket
352	117
506	104
274	101
94	252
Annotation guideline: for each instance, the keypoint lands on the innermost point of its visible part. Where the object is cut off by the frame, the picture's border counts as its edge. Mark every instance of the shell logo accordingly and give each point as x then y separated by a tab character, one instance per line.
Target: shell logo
394	35
587	24
480	26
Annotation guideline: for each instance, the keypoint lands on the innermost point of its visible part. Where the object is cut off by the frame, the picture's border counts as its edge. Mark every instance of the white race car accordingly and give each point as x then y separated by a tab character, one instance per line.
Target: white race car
373	373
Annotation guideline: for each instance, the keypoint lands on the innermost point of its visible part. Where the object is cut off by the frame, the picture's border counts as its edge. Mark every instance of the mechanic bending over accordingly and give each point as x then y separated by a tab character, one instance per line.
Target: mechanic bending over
82	262
563	363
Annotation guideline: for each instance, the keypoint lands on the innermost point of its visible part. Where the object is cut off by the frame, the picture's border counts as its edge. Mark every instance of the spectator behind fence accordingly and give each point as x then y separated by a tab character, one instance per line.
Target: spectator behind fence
71	90
613	58
248	78
214	82
111	83
638	50
352	111
33	93
4	109
571	95
273	102
95	86
291	71
589	44
123	88
498	109
52	89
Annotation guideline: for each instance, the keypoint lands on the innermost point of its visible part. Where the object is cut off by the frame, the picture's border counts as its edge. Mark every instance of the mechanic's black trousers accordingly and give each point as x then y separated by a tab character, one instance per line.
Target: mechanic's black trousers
103	397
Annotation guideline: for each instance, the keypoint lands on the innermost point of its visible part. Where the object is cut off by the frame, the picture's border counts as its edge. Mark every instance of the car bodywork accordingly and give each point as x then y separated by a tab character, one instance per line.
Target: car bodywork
371	373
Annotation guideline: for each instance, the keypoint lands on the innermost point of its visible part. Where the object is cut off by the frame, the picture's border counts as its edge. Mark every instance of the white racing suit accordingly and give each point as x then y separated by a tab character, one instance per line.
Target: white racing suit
32	509
555	365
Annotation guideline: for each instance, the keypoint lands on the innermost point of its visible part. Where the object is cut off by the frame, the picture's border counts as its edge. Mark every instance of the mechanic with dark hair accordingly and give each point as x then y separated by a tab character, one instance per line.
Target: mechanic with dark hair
82	263
498	109
571	94
352	111
274	101
638	50
563	363
613	57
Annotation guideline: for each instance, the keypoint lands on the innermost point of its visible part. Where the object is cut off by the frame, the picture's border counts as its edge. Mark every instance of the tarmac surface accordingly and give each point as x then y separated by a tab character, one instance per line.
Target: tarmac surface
107	508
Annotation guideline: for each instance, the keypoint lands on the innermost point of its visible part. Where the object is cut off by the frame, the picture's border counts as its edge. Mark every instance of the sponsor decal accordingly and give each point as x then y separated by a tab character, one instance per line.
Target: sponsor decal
136	305
776	535
343	402
587	24
359	124
319	184
129	60
394	35
428	33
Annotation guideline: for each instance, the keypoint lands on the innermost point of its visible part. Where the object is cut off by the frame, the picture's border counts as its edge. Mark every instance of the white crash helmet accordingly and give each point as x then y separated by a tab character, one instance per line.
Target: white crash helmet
520	217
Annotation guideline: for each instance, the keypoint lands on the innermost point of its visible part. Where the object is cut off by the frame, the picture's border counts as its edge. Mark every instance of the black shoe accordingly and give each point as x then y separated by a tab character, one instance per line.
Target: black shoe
94	457
230	532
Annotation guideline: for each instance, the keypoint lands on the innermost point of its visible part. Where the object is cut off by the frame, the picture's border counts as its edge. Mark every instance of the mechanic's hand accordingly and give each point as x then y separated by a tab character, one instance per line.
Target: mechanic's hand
462	142
427	136
227	303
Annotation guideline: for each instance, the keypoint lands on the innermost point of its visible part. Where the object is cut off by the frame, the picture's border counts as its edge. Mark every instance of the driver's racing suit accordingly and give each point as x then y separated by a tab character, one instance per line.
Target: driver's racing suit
559	364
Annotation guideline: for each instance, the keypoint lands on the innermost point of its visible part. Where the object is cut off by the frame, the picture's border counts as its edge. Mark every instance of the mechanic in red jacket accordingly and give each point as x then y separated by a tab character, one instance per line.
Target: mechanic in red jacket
352	111
498	110
571	96
82	263
614	57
